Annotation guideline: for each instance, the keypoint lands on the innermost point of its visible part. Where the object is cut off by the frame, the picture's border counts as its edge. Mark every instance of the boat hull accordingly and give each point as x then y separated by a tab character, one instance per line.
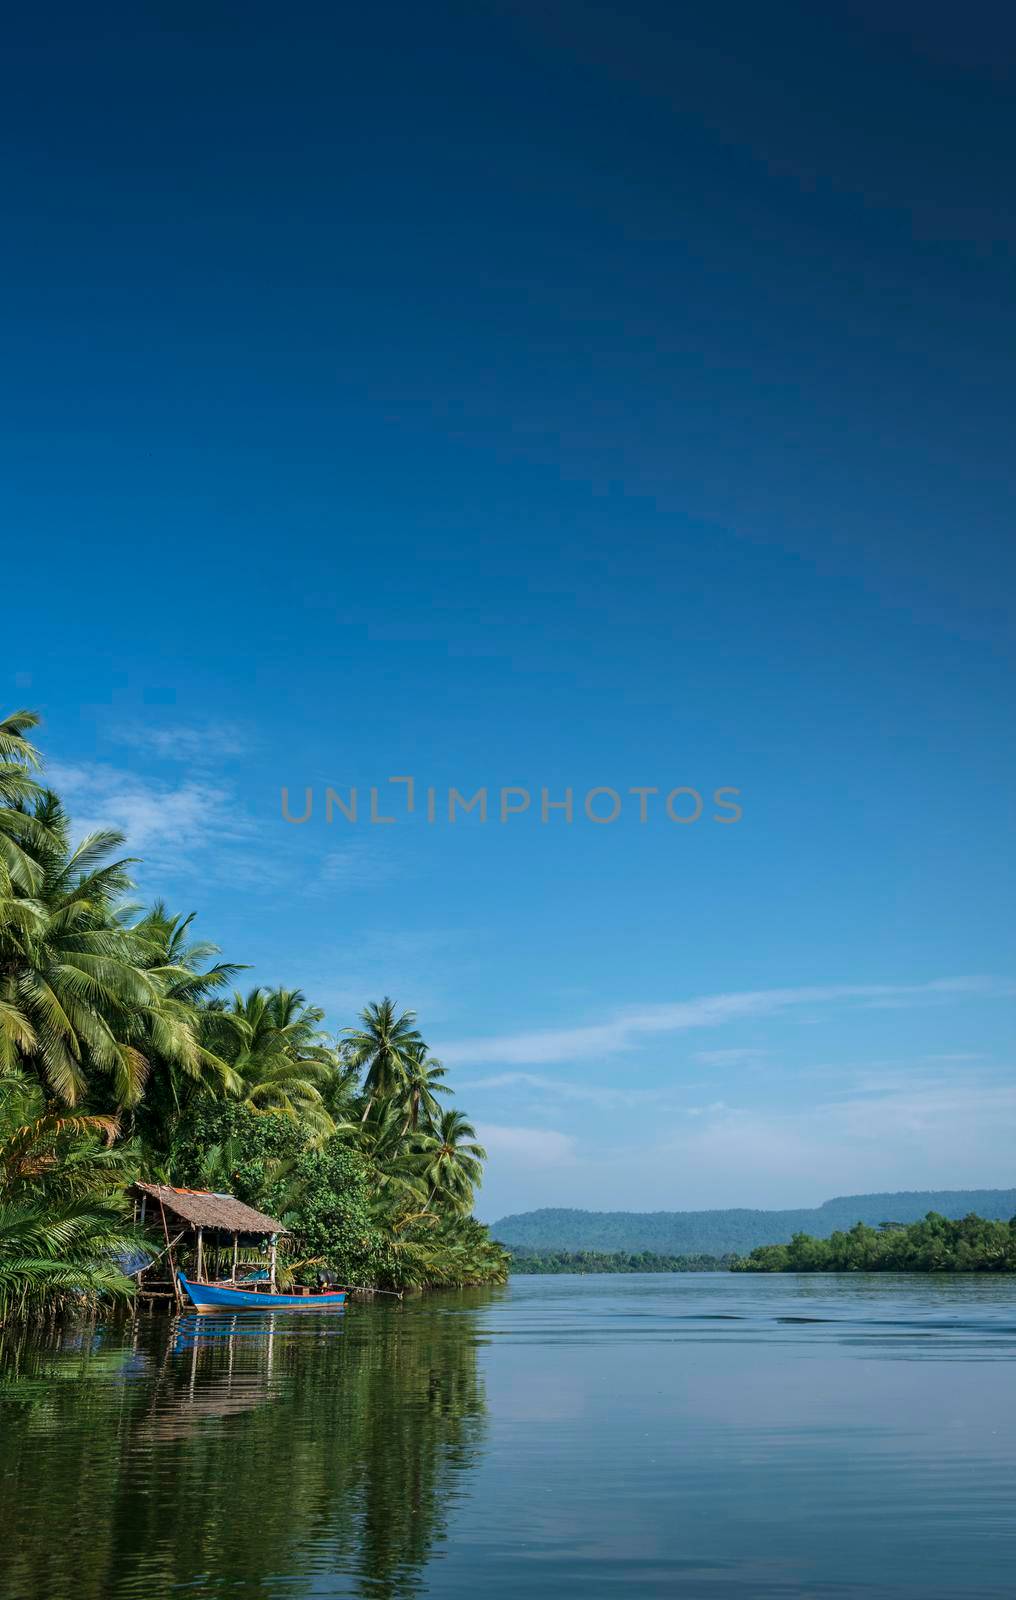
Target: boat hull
211	1297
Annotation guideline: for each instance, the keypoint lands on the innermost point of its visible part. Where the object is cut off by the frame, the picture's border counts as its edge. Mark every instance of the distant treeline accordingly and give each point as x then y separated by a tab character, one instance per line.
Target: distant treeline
936	1244
548	1261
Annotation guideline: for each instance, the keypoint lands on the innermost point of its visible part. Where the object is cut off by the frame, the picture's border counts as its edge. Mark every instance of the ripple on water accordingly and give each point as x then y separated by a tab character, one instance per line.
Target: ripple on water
708	1434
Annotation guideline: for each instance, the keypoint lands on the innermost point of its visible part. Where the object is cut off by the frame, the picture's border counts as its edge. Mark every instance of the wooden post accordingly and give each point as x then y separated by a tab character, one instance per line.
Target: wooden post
169	1251
201	1253
236	1255
271	1264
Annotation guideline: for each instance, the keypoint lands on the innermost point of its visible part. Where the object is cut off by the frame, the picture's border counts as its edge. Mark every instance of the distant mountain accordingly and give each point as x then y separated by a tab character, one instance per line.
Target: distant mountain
721	1232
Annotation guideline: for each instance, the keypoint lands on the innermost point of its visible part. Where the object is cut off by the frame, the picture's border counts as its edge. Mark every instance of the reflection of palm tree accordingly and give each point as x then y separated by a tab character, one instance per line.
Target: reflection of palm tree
362	1456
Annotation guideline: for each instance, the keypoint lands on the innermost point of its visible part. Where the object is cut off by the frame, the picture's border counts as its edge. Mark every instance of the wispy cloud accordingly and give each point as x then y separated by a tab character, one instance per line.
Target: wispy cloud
172	826
935	1134
202	745
526	1148
358	865
926	1133
590	1095
600	1097
625	1030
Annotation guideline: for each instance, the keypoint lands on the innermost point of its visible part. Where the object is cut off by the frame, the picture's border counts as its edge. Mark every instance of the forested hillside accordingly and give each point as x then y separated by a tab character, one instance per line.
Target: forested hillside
719	1233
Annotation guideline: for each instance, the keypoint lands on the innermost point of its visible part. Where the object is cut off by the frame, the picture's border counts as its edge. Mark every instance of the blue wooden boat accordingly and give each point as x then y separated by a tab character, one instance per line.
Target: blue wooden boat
214	1297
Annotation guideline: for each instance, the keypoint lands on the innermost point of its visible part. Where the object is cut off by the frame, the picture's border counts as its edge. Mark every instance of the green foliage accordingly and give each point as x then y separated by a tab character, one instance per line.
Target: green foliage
62	1216
936	1244
79	1008
225	1146
581	1261
278	1053
324	1196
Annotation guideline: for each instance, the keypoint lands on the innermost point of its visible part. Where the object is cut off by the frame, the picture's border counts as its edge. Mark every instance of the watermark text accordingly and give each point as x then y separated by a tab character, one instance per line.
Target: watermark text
384	805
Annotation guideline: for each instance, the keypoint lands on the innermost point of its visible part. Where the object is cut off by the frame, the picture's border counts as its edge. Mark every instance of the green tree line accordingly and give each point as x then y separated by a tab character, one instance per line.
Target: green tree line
936	1244
127	1051
580	1261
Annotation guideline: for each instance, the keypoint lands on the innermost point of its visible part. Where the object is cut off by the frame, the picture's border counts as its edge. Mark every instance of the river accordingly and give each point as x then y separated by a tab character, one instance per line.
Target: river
691	1435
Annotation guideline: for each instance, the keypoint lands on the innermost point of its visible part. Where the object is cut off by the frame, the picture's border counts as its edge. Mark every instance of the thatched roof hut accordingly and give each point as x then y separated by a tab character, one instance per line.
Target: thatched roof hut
203	1208
198	1210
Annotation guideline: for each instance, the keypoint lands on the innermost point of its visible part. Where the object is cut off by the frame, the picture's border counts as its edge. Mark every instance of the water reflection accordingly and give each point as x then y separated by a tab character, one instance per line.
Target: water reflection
736	1438
224	1453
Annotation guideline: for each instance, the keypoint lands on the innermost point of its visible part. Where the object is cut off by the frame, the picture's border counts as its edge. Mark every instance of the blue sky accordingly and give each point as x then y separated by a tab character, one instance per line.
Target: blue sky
570	397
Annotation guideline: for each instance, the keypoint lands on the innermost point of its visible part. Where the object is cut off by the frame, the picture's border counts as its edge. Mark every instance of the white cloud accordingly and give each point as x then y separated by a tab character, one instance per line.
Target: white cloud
625	1030
602	1097
195	745
170	825
595	1096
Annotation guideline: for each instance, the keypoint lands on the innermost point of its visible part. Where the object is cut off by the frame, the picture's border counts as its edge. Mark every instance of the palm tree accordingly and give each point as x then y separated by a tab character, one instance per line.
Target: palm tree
62	1218
454	1164
20	917
61	1253
274	1044
188	977
382	1049
19	792
421	1089
397	1163
340	1094
177	963
183	958
74	996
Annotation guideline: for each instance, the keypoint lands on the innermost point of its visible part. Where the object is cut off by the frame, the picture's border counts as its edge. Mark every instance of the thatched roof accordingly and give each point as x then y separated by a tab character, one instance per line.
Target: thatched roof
204	1209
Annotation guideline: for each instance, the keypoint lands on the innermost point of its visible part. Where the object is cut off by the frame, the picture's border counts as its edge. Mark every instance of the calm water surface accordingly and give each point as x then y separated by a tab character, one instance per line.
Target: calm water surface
689	1435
